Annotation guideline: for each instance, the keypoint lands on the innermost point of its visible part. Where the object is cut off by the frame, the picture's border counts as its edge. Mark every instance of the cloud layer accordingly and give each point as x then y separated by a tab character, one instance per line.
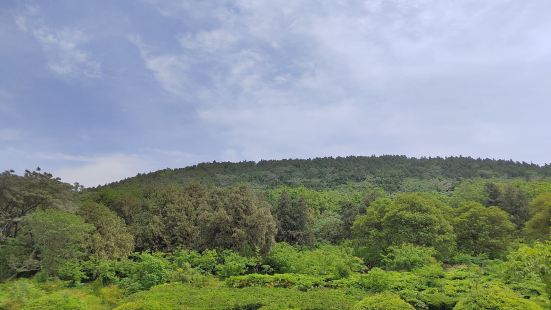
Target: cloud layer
175	82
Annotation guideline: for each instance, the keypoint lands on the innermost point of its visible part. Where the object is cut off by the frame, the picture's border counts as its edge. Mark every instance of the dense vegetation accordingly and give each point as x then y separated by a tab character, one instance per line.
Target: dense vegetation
349	233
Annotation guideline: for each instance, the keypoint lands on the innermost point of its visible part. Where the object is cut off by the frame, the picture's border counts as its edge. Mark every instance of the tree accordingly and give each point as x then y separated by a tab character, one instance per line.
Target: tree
538	227
327	227
236	219
293	221
111	238
514	201
493	193
482	229
21	195
415	218
531	262
47	239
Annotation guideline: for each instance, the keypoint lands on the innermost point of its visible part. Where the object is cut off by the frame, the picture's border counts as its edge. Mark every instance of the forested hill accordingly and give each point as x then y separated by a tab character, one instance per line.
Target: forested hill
388	171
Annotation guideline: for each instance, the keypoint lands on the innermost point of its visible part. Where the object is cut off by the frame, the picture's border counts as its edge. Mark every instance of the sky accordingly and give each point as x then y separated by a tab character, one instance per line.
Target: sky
97	91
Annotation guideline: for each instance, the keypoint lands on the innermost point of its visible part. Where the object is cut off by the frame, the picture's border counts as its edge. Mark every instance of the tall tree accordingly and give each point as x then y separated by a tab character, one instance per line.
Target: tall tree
482	229
111	238
21	195
294	219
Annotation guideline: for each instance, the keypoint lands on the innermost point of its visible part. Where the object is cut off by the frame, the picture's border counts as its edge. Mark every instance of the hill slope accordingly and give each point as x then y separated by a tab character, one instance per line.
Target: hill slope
387	171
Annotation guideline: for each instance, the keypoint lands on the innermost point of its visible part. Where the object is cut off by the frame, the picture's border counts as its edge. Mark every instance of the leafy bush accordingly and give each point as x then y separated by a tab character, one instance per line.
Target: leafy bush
13	295
376	280
495	297
149	270
65	300
178	296
333	261
383	301
302	282
408	256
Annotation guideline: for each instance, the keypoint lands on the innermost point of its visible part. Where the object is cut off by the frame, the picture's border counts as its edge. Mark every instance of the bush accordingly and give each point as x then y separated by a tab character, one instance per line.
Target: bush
302	282
408	256
332	261
17	293
383	301
376	281
149	270
495	297
65	300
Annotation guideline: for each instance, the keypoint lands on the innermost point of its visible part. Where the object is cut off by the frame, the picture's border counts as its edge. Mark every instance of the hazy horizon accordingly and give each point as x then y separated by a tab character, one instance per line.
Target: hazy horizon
99	91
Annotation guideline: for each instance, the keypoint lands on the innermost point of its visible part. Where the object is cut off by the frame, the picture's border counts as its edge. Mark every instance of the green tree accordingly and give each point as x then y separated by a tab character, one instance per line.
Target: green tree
482	229
538	227
415	218
514	201
48	239
294	219
111	238
531	262
327	227
22	195
236	218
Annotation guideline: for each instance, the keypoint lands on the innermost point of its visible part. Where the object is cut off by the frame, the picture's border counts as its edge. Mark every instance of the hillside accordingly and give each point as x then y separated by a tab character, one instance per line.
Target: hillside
388	171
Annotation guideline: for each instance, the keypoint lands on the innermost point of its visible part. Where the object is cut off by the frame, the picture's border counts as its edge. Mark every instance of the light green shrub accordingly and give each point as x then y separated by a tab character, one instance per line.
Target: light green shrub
383	301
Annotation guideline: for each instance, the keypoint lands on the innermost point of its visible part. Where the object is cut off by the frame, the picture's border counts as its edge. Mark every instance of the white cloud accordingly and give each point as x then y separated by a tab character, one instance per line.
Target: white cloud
103	169
62	47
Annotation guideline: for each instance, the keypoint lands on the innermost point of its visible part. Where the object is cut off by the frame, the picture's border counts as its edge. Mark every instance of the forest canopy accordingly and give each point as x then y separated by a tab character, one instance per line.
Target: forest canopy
386	232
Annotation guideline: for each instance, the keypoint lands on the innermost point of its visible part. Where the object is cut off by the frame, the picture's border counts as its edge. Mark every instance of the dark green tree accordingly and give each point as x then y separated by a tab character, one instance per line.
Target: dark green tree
294	220
22	195
111	238
482	229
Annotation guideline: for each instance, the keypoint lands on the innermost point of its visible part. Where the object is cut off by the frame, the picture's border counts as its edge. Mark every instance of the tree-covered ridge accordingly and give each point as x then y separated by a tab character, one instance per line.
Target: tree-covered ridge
482	243
389	172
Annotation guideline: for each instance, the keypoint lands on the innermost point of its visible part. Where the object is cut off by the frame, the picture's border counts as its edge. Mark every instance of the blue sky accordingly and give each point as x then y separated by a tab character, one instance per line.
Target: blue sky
95	91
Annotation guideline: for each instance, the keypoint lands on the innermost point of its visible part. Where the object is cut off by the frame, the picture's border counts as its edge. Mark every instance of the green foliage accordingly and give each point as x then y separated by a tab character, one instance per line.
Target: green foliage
149	270
13	295
494	297
514	201
327	227
332	261
201	217
46	240
22	195
294	220
287	280
177	296
480	229
414	218
539	226
383	301
111	238
376	281
408	256
66	300
388	172
531	262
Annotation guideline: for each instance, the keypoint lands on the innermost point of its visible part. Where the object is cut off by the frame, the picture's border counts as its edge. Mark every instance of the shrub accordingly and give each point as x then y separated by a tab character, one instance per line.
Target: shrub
302	282
377	280
327	260
383	301
408	256
149	270
65	300
495	297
